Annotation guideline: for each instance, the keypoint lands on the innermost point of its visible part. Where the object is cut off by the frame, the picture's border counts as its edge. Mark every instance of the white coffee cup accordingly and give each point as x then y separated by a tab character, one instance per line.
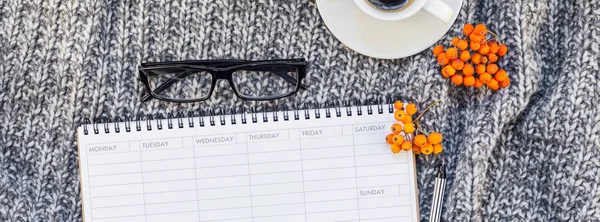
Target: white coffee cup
436	8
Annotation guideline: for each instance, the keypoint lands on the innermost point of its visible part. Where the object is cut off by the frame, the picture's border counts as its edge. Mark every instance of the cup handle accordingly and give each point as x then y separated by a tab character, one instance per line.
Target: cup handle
439	9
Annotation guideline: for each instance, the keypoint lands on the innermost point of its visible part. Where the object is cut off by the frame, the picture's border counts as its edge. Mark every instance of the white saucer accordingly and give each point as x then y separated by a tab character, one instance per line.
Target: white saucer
382	39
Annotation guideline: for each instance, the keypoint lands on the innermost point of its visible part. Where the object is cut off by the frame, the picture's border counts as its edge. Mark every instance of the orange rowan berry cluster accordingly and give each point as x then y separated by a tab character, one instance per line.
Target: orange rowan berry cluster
402	138
472	61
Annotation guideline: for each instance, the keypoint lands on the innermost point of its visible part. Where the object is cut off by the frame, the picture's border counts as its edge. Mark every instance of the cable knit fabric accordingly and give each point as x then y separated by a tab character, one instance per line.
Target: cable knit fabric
530	152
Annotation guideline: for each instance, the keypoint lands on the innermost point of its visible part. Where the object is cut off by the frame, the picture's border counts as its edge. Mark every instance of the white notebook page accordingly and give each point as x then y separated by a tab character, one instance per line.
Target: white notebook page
326	169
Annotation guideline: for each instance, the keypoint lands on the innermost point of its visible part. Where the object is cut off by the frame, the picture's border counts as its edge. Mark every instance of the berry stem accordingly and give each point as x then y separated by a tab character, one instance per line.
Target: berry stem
416	120
421	130
495	36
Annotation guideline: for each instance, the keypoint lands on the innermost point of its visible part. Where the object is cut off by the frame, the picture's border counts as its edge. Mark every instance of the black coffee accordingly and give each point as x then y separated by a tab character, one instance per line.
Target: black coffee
388	4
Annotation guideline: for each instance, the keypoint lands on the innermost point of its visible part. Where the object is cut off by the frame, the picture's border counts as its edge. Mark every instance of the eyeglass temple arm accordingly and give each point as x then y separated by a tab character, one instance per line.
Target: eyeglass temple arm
182	75
223	62
166	84
290	79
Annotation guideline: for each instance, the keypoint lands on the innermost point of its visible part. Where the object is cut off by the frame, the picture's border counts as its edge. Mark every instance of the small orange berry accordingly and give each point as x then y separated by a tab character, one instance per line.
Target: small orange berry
396	128
398	105
458	64
492	57
492	68
462	44
469	80
476	58
451	53
504	83
442	59
389	138
445	73
407	145
411	109
396	148
501	75
480	29
493	84
478	83
427	149
438	49
475	46
437	149
502	71
448	71
468	69
484	59
434	138
483	41
465	55
399	115
493	47
502	50
485	78
416	150
468	29
407	119
409	128
484	49
398	139
455	41
480	69
457	79
420	140
475	37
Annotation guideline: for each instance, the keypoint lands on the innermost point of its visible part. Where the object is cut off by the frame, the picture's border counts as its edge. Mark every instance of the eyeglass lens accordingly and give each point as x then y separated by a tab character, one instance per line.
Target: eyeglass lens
266	81
181	83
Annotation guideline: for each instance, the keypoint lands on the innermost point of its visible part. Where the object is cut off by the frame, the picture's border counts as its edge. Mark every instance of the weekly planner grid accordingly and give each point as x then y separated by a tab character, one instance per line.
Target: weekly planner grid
316	169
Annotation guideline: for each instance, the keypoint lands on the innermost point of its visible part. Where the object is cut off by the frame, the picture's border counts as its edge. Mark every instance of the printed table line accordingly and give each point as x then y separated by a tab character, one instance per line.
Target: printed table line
375	218
307	191
245	164
271	205
252	184
201	156
138	161
179	212
146	204
137	215
332	211
252	174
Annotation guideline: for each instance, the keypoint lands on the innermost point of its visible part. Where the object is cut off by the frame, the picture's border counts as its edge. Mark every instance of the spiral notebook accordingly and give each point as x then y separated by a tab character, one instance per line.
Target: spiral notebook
327	164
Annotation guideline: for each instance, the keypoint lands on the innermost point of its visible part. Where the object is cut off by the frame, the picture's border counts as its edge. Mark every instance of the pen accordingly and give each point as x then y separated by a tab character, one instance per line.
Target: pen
438	194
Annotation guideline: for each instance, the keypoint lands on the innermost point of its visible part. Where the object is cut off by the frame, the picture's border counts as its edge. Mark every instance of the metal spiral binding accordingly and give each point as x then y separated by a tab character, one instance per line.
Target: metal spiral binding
211	117
138	125
159	121
128	124
95	126
243	117
149	122
265	117
116	125
199	119
190	120
275	116
233	121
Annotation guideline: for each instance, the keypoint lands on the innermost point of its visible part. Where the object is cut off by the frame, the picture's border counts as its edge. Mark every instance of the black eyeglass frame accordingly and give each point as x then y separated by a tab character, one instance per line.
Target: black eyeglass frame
219	69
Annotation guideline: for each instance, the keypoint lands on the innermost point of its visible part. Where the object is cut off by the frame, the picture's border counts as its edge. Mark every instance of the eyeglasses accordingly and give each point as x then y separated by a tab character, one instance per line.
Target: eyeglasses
193	81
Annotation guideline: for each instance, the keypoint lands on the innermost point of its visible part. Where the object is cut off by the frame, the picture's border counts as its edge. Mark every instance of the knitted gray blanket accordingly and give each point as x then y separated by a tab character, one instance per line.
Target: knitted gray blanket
530	152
